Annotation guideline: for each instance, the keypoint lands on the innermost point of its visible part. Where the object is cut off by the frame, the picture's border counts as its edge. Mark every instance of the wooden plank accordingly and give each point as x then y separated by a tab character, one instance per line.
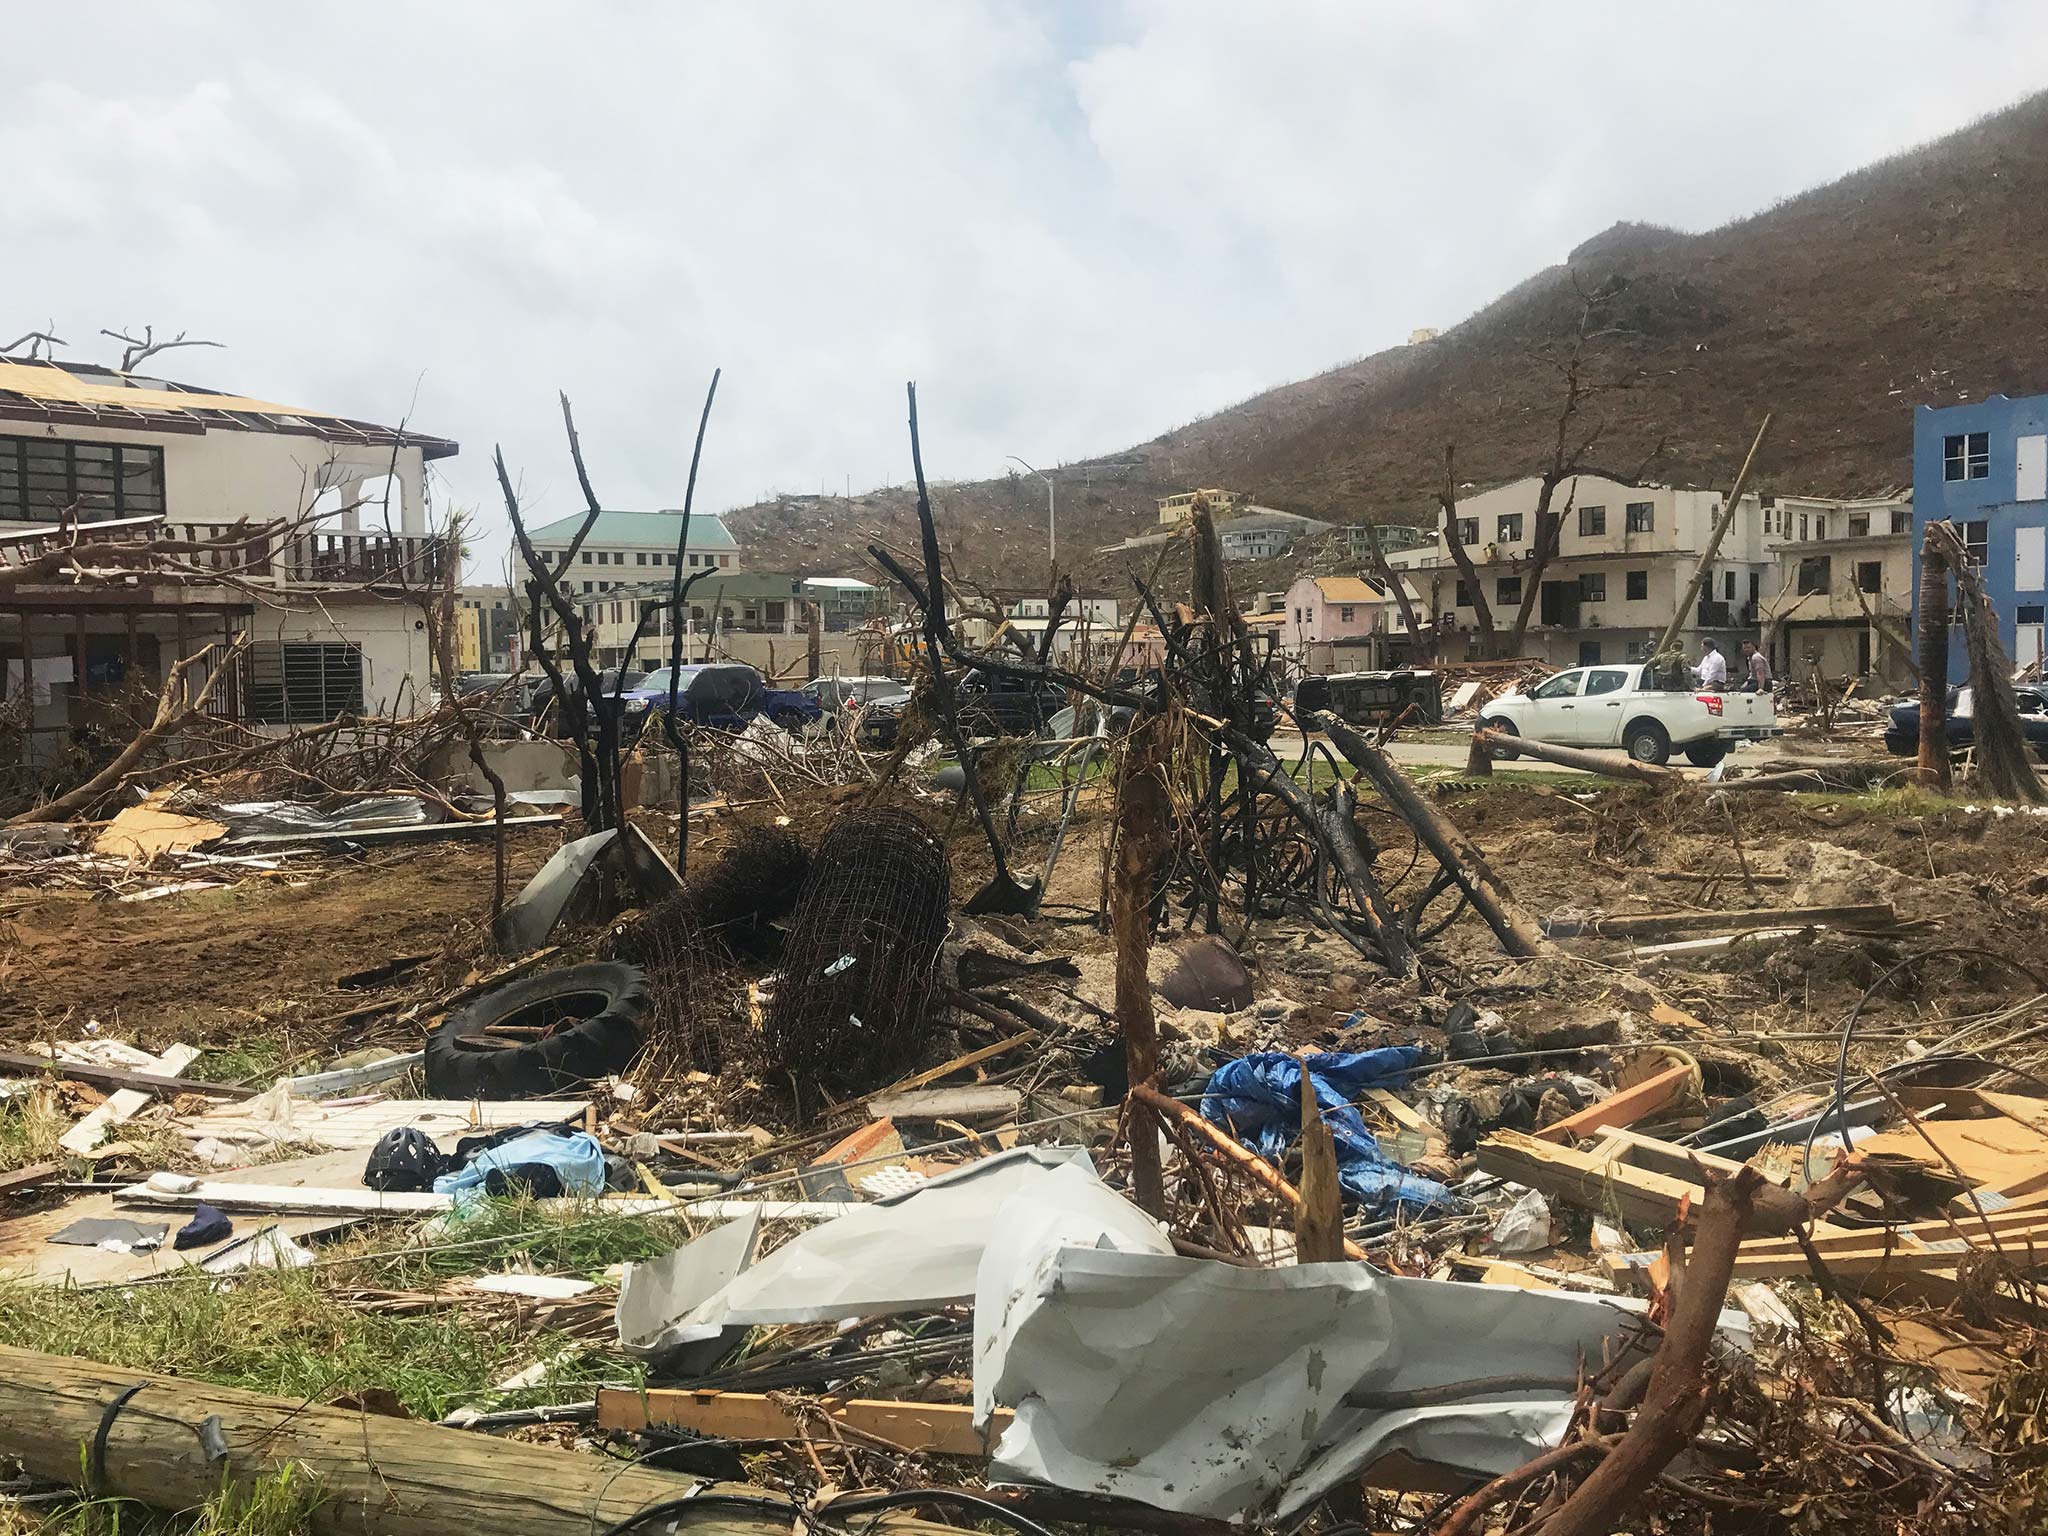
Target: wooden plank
1875	914
945	1428
1592	1181
427	833
123	1104
116	1077
19	1180
1672	1017
947	1068
358	1127
1398	1110
979	1103
1653	1093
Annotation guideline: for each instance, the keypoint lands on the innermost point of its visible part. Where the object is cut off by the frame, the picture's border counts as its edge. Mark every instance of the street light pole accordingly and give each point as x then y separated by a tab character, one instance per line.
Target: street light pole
1051	538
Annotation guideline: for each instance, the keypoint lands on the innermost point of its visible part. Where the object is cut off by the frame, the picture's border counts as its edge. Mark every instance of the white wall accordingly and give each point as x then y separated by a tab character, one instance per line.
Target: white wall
397	664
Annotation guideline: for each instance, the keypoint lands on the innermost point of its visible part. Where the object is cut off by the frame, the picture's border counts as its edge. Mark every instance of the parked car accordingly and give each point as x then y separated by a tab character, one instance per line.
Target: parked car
1621	707
726	694
1902	735
875	705
1373	698
996	704
544	700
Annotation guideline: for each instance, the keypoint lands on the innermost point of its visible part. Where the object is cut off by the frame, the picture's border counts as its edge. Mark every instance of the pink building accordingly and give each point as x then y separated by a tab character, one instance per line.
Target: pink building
1320	609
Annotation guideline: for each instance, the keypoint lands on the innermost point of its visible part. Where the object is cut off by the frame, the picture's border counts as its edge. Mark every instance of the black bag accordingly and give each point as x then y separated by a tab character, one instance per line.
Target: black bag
405	1160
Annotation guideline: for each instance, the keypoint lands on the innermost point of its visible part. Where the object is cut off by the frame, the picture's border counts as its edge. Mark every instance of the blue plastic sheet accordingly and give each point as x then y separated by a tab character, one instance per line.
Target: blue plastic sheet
1259	1098
577	1159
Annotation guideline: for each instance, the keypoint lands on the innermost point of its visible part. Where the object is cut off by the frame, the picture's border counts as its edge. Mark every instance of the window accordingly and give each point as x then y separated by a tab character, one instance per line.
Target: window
588	559
1966	456
1465	595
1756	587
1820	525
773	612
1507	589
1592	586
1977	538
1606	680
1592	522
1344	614
1770	519
639	557
1869	575
1642	516
304	684
43	476
1507	528
1589	656
1859	525
1813	575
1637	586
1563	686
588	585
1727	586
1902	519
1468	530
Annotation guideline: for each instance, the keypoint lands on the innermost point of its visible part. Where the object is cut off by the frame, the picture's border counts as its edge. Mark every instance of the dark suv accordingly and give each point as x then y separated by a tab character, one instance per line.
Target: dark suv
994	704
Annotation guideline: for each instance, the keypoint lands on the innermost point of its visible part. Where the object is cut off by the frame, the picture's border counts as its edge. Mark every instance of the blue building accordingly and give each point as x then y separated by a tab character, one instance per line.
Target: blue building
1984	467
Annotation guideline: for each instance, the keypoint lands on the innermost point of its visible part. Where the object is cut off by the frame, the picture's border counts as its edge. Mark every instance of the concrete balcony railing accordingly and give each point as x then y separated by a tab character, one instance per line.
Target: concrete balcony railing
337	558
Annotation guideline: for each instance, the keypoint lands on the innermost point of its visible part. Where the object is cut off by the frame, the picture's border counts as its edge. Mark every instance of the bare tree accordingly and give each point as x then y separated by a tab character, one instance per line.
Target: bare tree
146	345
40	343
1447	498
1397	585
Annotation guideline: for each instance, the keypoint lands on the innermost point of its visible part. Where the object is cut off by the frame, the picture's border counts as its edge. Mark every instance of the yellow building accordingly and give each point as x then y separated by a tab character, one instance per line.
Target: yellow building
1175	509
469	649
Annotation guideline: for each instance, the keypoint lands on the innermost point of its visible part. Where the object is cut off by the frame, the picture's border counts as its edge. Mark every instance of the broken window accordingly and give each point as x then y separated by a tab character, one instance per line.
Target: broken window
304	683
1344	614
1869	576
1507	589
1592	521
1859	525
1813	575
1638	586
1727	586
1966	456
1592	586
1507	528
1468	530
1902	519
41	477
1820	525
1642	516
1977	537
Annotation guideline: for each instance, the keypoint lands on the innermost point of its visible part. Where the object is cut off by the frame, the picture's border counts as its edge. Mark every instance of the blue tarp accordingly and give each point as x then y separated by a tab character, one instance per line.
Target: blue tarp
1259	1098
575	1156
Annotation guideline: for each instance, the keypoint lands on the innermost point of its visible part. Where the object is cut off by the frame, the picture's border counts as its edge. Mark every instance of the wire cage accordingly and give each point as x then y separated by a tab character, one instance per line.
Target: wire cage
861	966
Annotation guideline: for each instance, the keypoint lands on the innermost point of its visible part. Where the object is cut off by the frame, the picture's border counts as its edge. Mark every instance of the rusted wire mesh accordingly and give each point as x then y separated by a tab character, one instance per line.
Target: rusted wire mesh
685	944
861	965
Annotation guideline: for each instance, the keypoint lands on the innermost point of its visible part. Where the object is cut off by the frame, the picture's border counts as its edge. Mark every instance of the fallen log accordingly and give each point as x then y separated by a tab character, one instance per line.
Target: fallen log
1877	914
1578	757
173	1442
1516	929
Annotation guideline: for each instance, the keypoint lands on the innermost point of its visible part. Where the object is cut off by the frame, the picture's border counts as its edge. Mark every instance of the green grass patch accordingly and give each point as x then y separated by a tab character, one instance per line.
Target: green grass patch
30	1123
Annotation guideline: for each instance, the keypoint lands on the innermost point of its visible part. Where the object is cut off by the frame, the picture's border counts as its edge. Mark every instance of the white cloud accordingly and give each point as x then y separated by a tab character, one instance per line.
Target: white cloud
1074	224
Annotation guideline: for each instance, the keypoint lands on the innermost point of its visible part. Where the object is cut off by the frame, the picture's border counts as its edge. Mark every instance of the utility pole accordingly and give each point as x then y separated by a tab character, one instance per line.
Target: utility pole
1051	542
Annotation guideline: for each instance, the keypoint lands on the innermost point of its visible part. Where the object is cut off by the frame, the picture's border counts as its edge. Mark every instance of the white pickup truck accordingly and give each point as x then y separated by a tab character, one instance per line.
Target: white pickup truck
1612	707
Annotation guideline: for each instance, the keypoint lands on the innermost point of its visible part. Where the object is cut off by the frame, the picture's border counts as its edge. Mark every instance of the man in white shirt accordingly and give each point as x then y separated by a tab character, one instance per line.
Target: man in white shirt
1712	667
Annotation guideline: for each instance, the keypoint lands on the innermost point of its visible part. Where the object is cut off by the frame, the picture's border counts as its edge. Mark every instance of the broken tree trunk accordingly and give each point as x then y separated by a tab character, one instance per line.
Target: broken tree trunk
2004	762
374	1475
1578	757
1675	1404
1336	816
1933	761
1319	1223
1518	932
1703	567
1142	820
1236	1156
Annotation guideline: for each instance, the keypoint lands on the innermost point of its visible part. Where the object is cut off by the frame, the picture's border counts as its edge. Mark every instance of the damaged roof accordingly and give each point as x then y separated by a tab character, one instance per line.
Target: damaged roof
84	394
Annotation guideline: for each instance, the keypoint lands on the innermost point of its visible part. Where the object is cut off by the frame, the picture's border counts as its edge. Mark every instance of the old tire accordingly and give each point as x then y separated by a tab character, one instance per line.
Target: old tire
1647	742
1704	754
1505	728
540	1035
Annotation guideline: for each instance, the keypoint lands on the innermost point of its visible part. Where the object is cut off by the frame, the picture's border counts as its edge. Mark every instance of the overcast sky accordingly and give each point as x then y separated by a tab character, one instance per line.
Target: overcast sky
1074	224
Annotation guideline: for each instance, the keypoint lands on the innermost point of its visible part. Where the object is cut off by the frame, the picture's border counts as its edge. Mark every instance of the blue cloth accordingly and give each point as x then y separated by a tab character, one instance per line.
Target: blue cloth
1258	1097
576	1158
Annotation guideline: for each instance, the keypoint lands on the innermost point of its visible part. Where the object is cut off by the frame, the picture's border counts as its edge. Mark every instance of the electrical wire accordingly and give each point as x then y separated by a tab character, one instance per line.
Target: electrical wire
662	1508
903	1498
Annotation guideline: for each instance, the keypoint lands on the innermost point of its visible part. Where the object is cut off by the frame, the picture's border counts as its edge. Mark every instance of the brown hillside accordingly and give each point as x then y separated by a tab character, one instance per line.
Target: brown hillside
1913	281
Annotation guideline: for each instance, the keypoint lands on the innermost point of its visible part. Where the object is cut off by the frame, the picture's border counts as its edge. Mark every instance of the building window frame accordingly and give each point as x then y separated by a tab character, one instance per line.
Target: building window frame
1636	586
1966	456
1641	516
1592	522
120	479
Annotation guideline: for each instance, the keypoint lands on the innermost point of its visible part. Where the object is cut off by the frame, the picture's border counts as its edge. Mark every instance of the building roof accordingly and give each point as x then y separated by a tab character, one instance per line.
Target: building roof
1346	589
846	583
644	530
81	394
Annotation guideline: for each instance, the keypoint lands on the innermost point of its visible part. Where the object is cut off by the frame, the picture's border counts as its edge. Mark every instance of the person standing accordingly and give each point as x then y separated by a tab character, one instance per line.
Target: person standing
1759	666
1712	667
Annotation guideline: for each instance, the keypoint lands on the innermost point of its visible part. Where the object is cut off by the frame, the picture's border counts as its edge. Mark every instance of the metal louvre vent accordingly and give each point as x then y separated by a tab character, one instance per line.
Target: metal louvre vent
304	683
